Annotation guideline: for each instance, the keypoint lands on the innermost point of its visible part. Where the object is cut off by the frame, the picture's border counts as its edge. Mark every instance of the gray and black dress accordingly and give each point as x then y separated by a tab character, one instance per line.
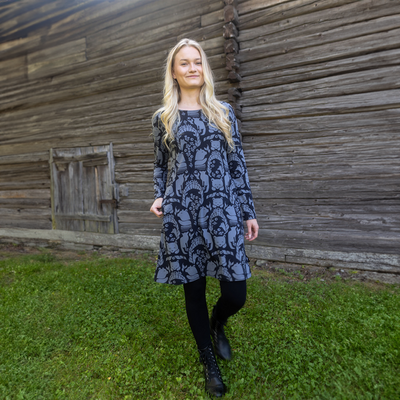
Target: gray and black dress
206	197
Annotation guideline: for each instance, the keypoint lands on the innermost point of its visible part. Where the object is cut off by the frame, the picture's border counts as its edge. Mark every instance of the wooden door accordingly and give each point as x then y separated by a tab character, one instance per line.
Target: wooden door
83	189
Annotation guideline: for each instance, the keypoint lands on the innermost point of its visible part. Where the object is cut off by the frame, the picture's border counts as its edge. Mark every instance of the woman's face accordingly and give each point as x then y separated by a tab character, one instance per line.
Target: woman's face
187	68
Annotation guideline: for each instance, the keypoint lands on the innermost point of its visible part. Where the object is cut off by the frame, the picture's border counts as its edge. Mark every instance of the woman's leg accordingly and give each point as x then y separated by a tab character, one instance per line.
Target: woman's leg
197	313
233	297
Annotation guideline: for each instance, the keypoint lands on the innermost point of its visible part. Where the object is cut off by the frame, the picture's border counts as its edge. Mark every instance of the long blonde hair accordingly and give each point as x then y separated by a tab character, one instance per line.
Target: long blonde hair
215	111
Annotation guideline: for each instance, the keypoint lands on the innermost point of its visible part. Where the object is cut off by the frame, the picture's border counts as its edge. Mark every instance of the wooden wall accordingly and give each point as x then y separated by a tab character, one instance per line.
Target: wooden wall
315	84
87	73
320	119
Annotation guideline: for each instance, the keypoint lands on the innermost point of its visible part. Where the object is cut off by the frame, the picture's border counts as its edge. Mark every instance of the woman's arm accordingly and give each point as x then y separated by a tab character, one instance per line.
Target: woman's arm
161	156
238	171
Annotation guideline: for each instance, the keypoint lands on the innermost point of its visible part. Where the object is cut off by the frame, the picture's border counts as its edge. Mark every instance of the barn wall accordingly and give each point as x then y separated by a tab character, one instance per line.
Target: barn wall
87	74
320	119
25	191
313	83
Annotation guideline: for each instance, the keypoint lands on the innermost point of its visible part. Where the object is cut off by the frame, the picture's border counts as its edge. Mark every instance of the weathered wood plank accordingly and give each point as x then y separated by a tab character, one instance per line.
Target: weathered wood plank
359	190
25	158
353	260
326	37
253	60
356	260
21	169
25	194
117	241
19	223
327	128
137	190
308	219
25	203
118	37
55	60
268	13
21	176
139	229
98	13
345	240
113	189
14	69
71	24
81	157
214	18
20	214
131	216
68	91
329	105
326	153
33	13
351	83
337	22
32	184
84	217
251	6
309	72
142	205
90	206
100	45
106	192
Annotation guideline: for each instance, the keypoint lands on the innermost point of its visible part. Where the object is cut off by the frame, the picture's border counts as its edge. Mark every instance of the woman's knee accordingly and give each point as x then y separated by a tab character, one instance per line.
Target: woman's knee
234	293
195	291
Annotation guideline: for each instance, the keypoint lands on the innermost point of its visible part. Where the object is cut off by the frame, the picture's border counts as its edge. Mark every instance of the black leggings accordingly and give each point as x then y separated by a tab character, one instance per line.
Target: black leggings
233	297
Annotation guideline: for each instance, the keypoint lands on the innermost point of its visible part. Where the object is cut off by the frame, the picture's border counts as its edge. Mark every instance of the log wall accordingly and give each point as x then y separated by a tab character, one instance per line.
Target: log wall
87	73
314	84
320	118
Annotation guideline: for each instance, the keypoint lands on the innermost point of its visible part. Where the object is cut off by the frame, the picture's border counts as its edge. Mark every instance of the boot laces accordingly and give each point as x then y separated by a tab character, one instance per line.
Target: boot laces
211	363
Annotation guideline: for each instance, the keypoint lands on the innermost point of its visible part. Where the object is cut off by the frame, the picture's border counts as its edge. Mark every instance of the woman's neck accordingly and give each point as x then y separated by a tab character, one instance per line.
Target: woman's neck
189	101
189	106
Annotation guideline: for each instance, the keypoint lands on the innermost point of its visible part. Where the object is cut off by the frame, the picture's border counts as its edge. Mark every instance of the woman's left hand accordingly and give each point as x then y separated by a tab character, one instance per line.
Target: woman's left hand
252	229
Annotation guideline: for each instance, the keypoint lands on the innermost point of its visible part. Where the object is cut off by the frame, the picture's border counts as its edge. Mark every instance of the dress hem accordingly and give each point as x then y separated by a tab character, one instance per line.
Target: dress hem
211	276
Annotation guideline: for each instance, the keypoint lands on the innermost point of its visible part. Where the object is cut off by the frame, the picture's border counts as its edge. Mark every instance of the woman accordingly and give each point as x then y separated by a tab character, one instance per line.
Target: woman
201	200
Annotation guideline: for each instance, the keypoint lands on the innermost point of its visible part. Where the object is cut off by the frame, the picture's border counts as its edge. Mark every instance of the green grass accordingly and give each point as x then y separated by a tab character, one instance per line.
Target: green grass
102	329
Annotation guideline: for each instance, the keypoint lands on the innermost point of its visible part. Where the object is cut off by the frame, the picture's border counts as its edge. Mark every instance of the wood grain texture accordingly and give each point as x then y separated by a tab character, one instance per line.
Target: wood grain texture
80	187
320	116
314	84
367	260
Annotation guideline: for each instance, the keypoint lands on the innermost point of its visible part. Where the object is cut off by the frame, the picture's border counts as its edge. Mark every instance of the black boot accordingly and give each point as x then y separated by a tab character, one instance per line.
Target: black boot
221	343
214	384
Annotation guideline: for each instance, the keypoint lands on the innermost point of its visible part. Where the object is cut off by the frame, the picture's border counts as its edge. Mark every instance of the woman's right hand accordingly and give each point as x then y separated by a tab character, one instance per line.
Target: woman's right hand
156	207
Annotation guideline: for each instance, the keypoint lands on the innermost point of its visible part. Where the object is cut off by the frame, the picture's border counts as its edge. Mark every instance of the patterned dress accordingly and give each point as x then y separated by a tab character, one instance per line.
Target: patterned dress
206	197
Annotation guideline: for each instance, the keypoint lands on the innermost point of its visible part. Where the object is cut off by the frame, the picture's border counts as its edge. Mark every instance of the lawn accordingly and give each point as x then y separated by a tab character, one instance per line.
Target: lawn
101	328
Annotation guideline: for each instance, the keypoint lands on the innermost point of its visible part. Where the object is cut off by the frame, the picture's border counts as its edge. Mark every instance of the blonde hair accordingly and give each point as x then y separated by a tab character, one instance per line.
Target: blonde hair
214	110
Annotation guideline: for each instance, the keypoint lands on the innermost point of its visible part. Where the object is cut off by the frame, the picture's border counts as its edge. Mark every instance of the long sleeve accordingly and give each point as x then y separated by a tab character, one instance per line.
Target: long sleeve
161	155
238	171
